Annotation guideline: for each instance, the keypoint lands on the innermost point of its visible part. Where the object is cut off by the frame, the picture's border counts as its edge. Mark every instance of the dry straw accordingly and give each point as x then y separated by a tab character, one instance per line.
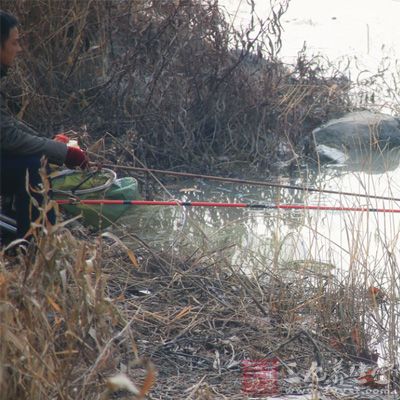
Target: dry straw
173	79
89	318
61	336
77	312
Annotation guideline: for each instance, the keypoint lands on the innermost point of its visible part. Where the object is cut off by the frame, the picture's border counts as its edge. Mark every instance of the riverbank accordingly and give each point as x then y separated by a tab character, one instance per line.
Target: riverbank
79	309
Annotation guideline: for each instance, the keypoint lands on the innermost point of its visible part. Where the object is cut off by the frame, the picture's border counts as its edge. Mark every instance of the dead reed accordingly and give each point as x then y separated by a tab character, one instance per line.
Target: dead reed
173	80
85	317
60	335
198	317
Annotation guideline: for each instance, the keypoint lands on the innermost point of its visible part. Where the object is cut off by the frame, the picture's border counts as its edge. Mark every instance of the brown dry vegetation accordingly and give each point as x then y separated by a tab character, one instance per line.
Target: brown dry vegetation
76	312
172	79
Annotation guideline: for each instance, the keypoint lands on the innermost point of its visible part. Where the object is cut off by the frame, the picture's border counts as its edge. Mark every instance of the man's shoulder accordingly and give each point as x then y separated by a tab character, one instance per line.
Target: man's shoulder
3	103
7	117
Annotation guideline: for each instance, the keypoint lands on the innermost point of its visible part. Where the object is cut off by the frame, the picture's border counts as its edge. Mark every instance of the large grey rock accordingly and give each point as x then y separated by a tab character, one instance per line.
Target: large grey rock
357	132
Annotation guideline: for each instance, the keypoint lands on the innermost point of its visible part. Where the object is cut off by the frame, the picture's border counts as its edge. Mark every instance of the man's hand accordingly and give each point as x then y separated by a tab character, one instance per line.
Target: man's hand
76	158
61	137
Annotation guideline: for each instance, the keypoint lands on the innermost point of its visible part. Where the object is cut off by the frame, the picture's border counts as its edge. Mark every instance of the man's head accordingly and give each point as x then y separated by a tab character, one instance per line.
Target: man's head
9	39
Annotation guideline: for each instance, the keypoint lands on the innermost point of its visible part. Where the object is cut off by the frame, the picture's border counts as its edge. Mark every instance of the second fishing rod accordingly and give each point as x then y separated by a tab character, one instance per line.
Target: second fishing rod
249	182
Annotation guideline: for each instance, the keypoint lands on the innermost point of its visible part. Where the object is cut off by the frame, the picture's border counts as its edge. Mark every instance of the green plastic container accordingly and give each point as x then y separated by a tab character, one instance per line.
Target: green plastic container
100	185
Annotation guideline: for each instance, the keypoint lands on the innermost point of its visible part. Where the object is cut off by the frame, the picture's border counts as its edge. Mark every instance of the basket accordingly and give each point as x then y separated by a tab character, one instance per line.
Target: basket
102	184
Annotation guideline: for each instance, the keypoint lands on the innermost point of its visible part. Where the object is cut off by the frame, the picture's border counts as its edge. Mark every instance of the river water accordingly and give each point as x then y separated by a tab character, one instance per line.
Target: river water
363	30
358	38
337	238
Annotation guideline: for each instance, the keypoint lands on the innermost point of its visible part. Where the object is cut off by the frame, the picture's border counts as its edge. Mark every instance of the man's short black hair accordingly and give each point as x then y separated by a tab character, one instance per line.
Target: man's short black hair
7	22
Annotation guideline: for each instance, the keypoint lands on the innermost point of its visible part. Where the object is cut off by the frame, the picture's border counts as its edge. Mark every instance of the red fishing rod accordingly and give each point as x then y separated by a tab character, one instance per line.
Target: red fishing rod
217	204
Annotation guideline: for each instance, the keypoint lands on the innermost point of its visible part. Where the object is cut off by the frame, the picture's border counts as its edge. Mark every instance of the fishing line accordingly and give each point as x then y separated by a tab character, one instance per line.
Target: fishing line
249	182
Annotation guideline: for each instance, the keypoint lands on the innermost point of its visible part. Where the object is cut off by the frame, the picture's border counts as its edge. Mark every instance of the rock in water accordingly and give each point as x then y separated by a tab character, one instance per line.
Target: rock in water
356	132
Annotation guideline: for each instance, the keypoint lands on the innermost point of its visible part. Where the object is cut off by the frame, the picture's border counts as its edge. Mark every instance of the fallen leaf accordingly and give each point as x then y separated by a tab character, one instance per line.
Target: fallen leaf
55	306
149	380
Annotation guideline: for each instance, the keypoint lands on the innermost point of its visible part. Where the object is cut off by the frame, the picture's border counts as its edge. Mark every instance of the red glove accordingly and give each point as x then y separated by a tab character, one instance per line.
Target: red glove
61	137
76	158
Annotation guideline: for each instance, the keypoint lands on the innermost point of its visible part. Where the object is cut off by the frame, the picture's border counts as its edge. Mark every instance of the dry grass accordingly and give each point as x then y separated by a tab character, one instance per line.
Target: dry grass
173	80
61	337
77	310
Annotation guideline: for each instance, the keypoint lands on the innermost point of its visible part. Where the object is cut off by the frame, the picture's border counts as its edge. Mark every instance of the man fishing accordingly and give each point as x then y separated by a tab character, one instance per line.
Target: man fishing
22	147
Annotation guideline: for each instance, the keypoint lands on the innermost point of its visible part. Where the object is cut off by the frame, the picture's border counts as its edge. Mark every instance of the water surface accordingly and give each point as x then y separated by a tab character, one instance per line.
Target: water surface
249	237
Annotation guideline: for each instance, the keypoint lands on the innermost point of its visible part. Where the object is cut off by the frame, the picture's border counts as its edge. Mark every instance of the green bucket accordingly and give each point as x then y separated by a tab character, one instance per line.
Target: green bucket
99	185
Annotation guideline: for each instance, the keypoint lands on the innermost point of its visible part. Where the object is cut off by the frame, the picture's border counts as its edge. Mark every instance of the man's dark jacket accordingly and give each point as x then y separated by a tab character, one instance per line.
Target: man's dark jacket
17	138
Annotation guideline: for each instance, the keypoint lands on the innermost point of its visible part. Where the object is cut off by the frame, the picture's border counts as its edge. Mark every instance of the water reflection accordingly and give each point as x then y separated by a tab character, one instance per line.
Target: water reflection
265	238
376	161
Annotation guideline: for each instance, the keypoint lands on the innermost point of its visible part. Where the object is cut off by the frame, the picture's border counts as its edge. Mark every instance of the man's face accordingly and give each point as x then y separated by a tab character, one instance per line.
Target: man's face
10	48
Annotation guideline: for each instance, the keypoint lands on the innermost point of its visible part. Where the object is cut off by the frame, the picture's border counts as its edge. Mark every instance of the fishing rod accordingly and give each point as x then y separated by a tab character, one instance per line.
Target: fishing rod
248	182
10	224
217	204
